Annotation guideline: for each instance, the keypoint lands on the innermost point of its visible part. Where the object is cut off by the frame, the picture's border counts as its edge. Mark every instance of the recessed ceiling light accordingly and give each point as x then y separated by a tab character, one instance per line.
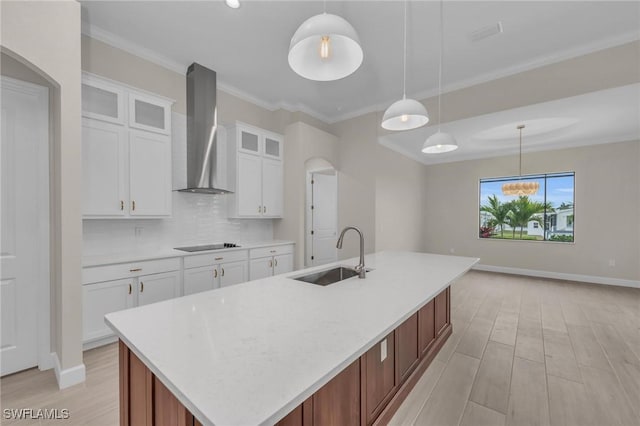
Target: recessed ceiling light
233	4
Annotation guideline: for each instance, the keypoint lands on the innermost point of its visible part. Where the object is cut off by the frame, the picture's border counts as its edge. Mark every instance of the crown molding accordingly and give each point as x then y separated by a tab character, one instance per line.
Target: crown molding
434	159
116	41
505	72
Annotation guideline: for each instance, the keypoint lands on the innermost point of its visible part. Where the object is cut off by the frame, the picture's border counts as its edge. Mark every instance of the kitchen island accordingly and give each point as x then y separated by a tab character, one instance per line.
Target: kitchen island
281	350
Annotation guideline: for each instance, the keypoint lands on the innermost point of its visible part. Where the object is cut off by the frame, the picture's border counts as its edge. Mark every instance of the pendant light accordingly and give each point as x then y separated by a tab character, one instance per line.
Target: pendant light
440	142
325	48
520	188
405	114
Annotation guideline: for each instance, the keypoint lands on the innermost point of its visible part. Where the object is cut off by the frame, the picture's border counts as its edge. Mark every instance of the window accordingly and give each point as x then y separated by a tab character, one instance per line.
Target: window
546	214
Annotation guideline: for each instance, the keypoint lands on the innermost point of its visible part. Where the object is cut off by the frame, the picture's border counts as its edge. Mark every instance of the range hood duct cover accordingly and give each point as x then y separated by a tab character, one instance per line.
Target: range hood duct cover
202	129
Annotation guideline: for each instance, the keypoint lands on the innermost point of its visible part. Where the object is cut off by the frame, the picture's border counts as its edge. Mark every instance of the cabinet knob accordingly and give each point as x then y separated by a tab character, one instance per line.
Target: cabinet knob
215	273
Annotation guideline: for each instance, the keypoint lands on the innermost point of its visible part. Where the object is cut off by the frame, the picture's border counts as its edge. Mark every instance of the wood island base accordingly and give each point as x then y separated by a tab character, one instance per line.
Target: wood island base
367	392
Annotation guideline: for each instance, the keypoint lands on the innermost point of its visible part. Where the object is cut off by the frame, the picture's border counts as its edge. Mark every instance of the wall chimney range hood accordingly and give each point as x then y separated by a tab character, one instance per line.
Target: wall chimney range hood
202	128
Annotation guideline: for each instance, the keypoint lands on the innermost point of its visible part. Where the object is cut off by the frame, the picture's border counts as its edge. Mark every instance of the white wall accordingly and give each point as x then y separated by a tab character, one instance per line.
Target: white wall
46	37
607	212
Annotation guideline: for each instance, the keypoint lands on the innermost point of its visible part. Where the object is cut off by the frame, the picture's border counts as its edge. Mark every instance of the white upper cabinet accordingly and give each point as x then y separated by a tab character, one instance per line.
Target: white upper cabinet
273	146
255	173
104	174
150	174
126	151
102	100
149	113
248	190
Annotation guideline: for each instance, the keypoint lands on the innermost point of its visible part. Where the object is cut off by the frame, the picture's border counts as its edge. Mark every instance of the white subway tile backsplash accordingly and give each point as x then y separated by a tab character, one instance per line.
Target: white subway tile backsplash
197	218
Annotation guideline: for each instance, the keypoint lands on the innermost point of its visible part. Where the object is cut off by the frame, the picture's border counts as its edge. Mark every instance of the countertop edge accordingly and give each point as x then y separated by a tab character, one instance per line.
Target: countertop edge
167	253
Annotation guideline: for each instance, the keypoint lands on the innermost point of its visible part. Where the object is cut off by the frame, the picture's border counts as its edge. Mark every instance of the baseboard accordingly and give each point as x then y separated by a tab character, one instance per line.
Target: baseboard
594	279
99	342
70	376
46	362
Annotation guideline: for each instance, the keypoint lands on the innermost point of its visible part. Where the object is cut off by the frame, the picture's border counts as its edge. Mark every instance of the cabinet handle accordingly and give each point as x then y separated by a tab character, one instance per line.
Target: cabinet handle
264	209
121	205
135	270
259	209
133	205
141	287
272	251
129	288
215	273
271	264
219	258
222	272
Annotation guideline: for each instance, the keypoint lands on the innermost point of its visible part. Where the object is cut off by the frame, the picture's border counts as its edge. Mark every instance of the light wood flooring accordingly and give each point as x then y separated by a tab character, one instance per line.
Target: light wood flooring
524	351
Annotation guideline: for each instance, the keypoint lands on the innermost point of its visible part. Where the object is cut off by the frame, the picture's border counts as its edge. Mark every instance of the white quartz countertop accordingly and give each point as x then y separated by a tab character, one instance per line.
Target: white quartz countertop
126	256
250	353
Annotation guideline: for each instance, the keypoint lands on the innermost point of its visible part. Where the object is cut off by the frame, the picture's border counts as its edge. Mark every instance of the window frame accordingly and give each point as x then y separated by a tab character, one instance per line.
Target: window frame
524	177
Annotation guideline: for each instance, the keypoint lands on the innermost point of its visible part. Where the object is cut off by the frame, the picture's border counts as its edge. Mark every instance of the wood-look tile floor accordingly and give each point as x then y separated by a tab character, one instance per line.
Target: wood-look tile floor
528	351
524	351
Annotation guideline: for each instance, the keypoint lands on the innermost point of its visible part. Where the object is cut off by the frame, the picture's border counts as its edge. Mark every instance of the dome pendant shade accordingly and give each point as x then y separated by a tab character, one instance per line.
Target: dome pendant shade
439	143
325	48
405	114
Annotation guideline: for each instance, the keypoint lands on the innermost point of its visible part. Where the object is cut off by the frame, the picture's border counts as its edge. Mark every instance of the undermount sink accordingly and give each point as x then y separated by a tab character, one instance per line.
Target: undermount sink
329	276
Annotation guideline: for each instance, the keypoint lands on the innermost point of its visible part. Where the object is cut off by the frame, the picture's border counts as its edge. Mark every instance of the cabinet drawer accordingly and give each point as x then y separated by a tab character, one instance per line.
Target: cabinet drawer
97	274
270	251
211	259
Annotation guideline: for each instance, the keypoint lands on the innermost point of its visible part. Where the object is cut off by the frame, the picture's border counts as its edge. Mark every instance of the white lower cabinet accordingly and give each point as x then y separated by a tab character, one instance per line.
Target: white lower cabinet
158	287
268	261
206	272
117	287
101	299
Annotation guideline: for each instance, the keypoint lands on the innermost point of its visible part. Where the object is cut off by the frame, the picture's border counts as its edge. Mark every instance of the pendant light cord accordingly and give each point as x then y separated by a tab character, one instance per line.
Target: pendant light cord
324	6
440	65
520	127
404	63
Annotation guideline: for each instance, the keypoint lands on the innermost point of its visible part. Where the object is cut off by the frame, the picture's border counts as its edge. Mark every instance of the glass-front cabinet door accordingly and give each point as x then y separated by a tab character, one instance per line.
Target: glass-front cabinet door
102	100
273	146
149	113
248	140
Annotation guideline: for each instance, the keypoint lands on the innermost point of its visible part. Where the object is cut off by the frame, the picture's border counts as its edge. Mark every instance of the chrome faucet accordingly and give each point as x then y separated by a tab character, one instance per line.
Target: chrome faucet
360	268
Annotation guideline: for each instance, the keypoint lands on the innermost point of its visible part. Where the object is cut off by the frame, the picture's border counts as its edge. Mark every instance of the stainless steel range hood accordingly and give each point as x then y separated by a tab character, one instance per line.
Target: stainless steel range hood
202	130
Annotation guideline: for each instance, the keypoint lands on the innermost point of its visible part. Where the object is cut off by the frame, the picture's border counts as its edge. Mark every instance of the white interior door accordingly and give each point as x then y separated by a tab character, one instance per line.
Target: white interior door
322	218
24	218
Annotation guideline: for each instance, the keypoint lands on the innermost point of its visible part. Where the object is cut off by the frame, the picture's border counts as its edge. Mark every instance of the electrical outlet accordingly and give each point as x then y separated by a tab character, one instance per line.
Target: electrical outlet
612	262
138	231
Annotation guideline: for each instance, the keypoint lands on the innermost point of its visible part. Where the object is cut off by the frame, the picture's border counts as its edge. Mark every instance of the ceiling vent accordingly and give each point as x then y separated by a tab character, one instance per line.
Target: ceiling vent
486	32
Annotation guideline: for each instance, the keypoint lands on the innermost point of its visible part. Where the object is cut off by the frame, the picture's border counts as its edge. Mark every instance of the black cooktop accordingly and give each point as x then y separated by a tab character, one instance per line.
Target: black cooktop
206	247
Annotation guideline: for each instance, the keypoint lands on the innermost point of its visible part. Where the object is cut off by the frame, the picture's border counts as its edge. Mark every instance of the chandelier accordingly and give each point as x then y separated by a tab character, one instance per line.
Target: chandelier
520	188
